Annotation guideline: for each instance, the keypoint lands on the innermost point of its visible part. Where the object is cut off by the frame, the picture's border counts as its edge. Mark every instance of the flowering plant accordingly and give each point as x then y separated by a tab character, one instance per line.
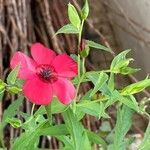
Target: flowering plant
51	83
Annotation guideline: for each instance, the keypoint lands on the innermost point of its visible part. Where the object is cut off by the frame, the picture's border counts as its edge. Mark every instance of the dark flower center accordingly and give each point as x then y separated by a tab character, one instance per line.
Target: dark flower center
46	73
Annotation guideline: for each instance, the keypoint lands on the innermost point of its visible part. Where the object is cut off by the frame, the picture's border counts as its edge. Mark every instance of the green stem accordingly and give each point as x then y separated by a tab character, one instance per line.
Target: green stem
80	35
111	81
83	66
49	114
94	101
32	109
78	66
77	90
79	78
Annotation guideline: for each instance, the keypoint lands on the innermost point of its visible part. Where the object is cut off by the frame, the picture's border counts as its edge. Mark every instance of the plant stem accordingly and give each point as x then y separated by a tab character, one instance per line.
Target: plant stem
83	66
79	78
80	35
49	114
32	110
78	66
77	90
94	101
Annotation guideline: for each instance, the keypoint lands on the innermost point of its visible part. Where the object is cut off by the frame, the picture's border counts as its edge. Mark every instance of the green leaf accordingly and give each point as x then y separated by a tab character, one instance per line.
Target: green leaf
129	100
14	90
145	145
85	140
75	129
120	64
12	77
68	29
111	81
93	137
94	76
28	139
123	124
2	86
118	58
128	70
85	10
103	77
86	96
92	108
112	98
98	46
11	111
56	130
136	87
56	107
29	124
73	16
15	122
19	83
67	142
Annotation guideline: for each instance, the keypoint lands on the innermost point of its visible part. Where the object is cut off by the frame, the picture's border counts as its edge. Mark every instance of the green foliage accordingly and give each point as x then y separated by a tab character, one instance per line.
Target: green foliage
123	124
73	16
136	87
120	64
103	77
68	29
15	122
92	108
120	60
2	86
93	44
56	107
12	77
11	111
56	130
95	138
14	89
145	145
76	130
104	94
85	10
28	139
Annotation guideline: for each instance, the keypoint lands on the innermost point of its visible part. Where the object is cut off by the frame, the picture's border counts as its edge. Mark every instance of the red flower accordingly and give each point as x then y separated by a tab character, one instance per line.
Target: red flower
46	75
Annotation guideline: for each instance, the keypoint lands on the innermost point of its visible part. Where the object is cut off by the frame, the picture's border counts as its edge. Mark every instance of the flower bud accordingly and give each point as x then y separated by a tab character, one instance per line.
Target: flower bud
84	48
82	44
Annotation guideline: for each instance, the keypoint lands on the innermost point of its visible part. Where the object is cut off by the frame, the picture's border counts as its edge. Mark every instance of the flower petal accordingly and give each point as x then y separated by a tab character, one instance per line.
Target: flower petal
64	90
65	66
41	54
37	91
27	65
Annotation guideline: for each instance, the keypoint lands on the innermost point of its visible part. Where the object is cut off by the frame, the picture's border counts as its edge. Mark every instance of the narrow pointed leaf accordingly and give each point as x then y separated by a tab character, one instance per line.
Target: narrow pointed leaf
145	145
98	46
68	29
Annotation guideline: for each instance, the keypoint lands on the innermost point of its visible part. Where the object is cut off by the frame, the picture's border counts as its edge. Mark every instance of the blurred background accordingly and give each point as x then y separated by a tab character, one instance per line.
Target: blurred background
118	24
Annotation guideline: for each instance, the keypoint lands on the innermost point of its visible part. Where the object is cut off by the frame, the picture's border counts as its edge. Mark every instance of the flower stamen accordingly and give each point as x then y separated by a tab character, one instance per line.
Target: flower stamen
46	73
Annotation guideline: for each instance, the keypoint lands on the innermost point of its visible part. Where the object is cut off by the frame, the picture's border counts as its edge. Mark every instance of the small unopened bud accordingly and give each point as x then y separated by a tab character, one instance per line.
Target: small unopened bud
82	44
84	48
